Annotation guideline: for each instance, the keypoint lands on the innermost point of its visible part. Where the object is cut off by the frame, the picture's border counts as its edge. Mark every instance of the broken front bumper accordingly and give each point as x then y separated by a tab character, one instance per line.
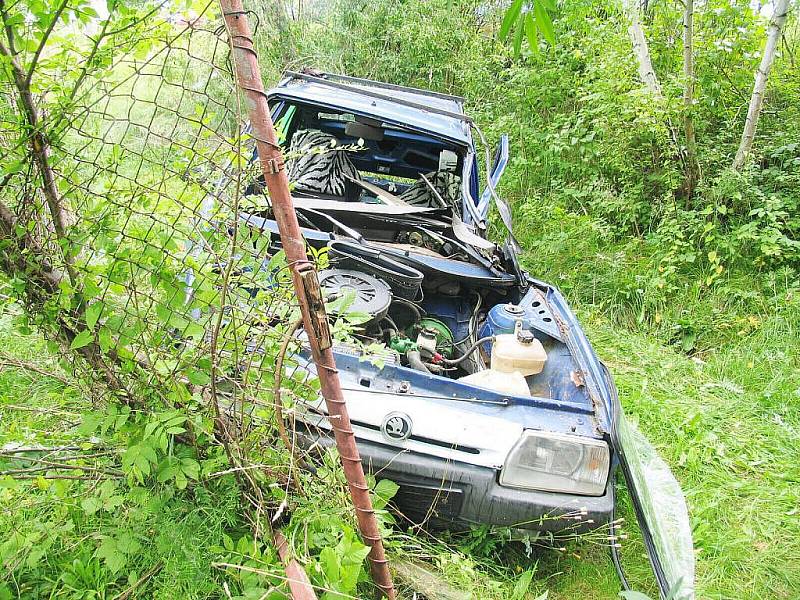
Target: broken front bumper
442	492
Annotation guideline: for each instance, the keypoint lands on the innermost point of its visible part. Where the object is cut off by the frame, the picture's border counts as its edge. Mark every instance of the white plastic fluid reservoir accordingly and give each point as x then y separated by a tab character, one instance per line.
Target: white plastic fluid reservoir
503	383
518	351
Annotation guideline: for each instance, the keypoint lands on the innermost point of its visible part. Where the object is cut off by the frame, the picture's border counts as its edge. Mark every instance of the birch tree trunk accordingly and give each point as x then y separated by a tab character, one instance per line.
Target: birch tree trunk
692	166
757	99
647	74
640	48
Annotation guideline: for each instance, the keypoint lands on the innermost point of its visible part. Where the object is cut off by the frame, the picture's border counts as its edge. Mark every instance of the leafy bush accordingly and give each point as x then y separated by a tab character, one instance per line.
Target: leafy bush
595	175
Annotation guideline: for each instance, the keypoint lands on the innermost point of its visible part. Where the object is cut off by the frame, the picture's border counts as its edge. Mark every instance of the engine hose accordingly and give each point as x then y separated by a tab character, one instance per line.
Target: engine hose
413	307
470	350
415	361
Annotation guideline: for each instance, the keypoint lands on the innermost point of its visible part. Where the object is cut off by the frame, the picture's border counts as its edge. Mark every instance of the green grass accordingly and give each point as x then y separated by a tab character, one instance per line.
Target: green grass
721	409
711	374
726	420
730	429
49	543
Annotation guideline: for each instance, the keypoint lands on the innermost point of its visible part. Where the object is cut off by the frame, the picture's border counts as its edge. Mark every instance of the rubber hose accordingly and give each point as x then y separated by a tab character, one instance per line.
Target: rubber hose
470	350
415	360
413	307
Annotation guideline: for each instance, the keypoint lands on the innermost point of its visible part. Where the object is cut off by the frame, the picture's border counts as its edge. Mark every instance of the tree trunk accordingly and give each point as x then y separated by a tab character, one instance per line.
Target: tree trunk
692	167
40	154
647	73
640	48
757	99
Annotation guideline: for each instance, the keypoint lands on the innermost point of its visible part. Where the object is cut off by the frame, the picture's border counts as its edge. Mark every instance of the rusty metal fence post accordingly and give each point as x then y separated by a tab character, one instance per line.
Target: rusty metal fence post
305	281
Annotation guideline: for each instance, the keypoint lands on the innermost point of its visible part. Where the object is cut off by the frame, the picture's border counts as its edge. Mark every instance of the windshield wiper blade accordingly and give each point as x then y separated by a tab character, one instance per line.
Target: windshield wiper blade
349	231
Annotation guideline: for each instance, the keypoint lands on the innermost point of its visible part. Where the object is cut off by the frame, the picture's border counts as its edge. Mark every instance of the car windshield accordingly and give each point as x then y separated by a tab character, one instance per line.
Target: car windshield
345	157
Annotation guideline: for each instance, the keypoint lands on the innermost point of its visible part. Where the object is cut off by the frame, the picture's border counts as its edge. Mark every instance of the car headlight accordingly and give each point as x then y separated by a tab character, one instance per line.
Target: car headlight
555	462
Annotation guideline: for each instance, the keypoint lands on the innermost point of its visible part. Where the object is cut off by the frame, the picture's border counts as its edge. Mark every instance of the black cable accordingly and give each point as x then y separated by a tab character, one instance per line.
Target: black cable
418	312
457	361
472	325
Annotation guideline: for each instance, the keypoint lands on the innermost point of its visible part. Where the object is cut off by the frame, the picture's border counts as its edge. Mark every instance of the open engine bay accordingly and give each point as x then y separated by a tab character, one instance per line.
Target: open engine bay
454	328
407	255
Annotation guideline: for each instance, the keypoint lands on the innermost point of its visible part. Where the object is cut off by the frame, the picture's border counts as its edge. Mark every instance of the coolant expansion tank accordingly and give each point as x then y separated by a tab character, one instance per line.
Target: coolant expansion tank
518	351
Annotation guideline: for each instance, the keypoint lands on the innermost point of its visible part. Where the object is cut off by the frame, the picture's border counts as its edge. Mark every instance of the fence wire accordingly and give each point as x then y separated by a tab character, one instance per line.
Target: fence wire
126	167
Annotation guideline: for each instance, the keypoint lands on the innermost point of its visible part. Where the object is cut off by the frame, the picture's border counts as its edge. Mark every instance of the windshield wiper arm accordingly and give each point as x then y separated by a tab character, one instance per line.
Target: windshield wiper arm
350	232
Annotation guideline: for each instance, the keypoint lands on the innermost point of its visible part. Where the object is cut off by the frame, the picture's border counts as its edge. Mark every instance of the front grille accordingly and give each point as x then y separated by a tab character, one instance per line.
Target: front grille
427	503
420	438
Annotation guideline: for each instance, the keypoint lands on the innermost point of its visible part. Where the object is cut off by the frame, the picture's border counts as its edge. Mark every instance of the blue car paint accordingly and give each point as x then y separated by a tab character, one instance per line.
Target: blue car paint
529	408
578	413
598	387
547	414
450	128
454	312
425	262
592	407
532	311
458	131
473	181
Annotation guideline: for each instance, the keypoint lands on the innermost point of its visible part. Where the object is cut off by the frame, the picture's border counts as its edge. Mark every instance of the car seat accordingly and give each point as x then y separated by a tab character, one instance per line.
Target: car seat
318	164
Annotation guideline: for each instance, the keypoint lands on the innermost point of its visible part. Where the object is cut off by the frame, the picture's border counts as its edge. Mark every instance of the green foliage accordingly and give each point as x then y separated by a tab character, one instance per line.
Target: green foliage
522	585
528	20
164	305
596	185
165	510
592	152
340	566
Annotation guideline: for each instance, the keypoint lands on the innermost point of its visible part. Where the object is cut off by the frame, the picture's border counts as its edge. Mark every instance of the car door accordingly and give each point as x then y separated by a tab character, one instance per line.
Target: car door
656	495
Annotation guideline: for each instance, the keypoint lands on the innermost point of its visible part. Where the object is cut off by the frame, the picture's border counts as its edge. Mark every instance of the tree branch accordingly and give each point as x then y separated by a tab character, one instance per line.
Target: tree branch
8	361
777	22
647	73
641	49
8	177
43	42
7	27
691	166
46	277
41	157
88	61
25	256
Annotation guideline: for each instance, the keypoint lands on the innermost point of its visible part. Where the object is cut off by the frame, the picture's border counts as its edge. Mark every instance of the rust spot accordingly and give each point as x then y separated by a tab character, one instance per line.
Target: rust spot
312	297
577	378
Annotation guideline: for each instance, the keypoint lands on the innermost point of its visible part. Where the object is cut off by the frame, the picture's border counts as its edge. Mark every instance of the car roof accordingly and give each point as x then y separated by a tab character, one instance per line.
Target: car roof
439	114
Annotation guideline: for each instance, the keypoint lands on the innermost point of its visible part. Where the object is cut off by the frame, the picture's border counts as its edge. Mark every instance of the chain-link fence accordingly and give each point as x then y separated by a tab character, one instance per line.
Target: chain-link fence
127	162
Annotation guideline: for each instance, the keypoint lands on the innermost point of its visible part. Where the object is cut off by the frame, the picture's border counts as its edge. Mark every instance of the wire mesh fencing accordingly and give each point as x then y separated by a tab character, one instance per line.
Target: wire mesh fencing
128	163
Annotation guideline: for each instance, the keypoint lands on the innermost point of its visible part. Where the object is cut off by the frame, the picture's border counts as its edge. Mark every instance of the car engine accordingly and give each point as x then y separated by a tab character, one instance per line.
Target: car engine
447	326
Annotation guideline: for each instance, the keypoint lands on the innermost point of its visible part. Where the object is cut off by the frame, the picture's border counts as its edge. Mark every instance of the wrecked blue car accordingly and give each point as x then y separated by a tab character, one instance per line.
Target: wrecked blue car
489	405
